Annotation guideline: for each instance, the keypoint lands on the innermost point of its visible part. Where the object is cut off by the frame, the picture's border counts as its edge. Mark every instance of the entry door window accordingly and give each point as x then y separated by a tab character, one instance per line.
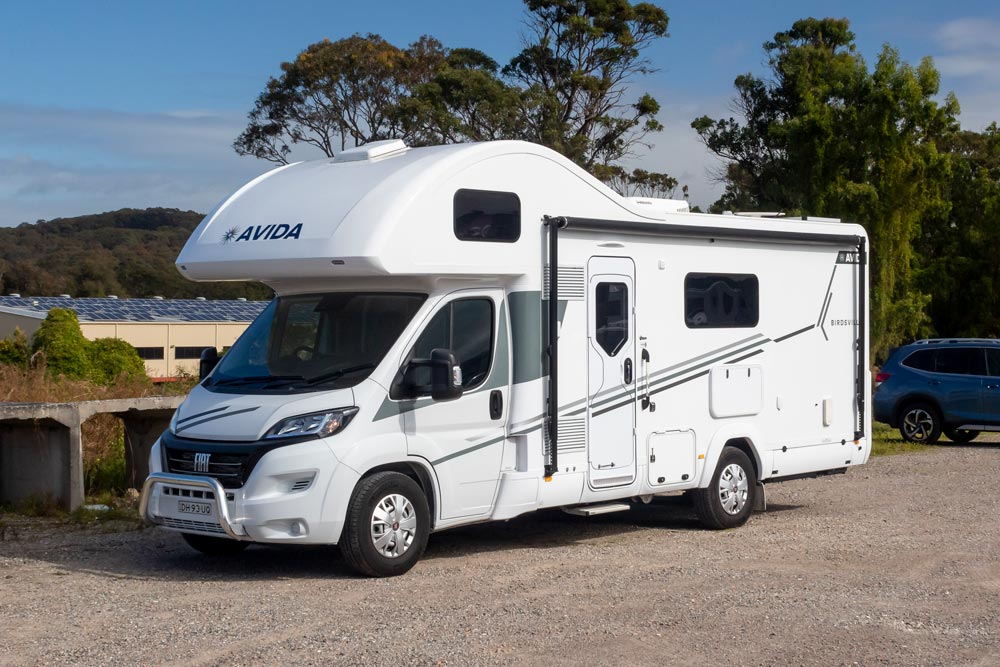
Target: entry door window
611	300
466	328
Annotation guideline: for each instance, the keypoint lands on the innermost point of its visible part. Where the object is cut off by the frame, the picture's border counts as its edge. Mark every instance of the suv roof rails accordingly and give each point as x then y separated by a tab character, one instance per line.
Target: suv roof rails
935	341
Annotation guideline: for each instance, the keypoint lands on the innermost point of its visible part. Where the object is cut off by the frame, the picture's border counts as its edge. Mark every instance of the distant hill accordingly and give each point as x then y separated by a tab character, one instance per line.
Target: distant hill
128	253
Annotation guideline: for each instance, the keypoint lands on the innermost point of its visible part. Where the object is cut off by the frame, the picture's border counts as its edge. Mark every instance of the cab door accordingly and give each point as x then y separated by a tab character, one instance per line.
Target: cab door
463	438
611	371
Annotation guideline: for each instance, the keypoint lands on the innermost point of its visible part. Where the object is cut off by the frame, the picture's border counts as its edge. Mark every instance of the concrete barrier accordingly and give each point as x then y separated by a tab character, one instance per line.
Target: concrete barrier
41	445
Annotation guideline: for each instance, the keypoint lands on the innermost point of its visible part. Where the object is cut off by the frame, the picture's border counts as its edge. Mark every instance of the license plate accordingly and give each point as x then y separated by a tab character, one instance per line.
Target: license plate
204	509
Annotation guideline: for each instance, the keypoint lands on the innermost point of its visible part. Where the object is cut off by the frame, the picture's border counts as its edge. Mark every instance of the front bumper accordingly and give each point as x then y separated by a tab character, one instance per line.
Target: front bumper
207	485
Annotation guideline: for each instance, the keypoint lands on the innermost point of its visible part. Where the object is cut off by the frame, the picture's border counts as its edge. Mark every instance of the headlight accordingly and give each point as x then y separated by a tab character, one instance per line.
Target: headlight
320	424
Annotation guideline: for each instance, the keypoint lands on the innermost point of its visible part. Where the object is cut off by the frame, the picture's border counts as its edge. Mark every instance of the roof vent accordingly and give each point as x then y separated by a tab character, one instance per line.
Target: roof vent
158	298
200	298
242	298
65	296
16	295
112	296
372	150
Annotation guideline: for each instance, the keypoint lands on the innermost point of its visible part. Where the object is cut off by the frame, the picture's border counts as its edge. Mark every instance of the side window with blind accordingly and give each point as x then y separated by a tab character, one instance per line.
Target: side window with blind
483	215
465	327
721	300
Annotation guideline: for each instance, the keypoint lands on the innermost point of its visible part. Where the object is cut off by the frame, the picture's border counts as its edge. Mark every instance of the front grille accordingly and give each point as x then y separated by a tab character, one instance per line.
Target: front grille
188	524
230	469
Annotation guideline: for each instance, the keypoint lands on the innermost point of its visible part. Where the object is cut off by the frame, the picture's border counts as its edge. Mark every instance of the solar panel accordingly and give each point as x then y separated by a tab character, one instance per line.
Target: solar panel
141	310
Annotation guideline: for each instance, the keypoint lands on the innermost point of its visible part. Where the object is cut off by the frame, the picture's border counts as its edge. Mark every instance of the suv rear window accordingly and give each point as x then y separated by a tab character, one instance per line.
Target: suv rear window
923	360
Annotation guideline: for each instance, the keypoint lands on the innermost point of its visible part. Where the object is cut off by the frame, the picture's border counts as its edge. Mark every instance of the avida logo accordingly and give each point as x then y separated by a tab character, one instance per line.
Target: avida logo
262	233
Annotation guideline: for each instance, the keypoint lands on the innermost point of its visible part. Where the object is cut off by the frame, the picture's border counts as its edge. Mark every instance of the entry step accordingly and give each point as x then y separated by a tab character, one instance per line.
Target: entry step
591	510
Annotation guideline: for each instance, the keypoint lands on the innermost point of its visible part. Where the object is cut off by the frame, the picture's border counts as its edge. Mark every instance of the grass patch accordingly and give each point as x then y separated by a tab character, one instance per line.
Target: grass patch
887	441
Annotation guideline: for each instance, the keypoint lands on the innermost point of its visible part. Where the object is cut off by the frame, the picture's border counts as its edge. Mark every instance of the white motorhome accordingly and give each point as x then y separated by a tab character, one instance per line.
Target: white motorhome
422	368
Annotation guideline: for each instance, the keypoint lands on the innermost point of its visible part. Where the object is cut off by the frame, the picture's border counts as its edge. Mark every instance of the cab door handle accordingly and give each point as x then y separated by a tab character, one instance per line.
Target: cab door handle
496	404
628	371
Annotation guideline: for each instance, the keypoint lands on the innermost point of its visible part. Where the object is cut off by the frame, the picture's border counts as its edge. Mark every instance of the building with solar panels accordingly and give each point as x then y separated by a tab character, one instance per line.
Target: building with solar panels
169	334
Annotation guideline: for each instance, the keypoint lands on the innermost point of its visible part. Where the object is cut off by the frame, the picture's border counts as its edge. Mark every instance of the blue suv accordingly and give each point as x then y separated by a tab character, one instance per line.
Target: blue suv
945	385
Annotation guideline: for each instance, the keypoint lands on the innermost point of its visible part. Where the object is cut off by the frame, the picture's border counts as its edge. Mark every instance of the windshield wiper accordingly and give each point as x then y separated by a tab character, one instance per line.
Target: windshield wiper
253	378
339	373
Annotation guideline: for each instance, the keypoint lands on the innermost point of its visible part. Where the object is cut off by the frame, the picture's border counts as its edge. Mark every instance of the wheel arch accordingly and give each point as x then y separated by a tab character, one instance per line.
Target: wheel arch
910	399
742	437
418	471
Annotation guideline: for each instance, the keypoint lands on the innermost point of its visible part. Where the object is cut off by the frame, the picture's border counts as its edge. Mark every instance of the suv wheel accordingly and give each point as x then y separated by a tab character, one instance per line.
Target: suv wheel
960	435
920	423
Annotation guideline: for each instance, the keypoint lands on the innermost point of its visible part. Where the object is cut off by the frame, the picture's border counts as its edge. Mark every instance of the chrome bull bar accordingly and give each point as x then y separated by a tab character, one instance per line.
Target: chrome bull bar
207	483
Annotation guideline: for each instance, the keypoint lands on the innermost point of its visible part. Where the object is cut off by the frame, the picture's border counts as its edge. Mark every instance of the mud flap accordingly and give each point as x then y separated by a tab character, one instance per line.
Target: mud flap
759	499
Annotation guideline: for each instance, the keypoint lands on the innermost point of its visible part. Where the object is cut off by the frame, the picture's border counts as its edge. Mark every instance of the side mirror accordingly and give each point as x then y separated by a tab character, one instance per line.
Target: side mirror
209	360
445	376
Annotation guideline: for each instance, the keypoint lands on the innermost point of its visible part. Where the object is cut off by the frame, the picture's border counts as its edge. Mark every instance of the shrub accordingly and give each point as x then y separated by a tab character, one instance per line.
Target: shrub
111	358
14	349
60	339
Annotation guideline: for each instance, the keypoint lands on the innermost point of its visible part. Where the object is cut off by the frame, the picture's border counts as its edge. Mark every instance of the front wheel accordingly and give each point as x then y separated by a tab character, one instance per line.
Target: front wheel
729	498
388	523
960	435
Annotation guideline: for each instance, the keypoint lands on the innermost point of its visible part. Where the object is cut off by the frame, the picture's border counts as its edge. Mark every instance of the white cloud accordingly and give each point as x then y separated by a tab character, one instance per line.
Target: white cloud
969	62
62	162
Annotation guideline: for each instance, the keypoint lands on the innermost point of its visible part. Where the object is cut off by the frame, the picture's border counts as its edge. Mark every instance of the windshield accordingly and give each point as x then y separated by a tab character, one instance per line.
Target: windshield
307	341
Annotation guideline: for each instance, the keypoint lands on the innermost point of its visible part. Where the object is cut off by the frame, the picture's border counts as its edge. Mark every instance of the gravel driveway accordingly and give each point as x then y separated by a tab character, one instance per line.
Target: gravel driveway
896	563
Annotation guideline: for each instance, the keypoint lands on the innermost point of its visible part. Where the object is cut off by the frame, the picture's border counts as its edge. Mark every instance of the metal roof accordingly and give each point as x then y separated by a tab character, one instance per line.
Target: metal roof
136	310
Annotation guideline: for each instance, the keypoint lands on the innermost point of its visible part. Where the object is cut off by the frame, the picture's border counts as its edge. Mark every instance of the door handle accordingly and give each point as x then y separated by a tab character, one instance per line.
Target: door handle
934	383
496	404
628	371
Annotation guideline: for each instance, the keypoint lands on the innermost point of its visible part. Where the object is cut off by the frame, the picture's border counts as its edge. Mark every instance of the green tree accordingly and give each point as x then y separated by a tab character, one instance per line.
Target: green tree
827	136
578	67
336	94
112	359
66	350
14	349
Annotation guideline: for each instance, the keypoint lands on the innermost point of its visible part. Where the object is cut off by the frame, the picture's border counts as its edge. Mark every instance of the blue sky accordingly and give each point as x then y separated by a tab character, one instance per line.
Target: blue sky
110	104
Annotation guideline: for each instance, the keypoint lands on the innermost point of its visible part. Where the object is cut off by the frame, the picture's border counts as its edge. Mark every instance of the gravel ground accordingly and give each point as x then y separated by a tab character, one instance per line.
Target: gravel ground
896	563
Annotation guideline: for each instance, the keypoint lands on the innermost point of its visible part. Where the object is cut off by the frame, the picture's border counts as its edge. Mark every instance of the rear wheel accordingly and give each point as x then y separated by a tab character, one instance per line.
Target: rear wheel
214	546
388	523
729	498
960	435
920	423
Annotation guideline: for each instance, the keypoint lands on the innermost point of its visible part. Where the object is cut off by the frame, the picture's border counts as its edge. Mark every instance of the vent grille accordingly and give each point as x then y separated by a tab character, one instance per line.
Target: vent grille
302	484
572	435
187	524
229	469
572	283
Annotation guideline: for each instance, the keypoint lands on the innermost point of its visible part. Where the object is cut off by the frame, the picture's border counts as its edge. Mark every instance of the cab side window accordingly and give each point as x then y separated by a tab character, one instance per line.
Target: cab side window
464	326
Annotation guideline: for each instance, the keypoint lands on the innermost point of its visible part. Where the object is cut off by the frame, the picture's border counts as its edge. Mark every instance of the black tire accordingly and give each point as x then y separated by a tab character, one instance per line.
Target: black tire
920	422
960	436
358	540
708	503
214	546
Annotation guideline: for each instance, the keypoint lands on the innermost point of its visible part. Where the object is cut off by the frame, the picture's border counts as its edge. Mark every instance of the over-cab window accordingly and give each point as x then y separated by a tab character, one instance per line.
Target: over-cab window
484	215
465	327
717	300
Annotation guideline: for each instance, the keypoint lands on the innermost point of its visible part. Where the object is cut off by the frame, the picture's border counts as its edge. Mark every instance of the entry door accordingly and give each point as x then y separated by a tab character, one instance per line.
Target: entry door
611	371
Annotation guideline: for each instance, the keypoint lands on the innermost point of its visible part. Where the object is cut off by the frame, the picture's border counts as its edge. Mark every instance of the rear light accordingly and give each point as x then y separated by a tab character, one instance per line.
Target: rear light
880	378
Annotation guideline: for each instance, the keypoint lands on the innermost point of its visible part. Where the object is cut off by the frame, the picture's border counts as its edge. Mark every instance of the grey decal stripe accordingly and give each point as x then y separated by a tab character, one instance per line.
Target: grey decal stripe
826	304
829	286
795	333
468	450
212	419
201	414
621	394
660	372
745	356
658	390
